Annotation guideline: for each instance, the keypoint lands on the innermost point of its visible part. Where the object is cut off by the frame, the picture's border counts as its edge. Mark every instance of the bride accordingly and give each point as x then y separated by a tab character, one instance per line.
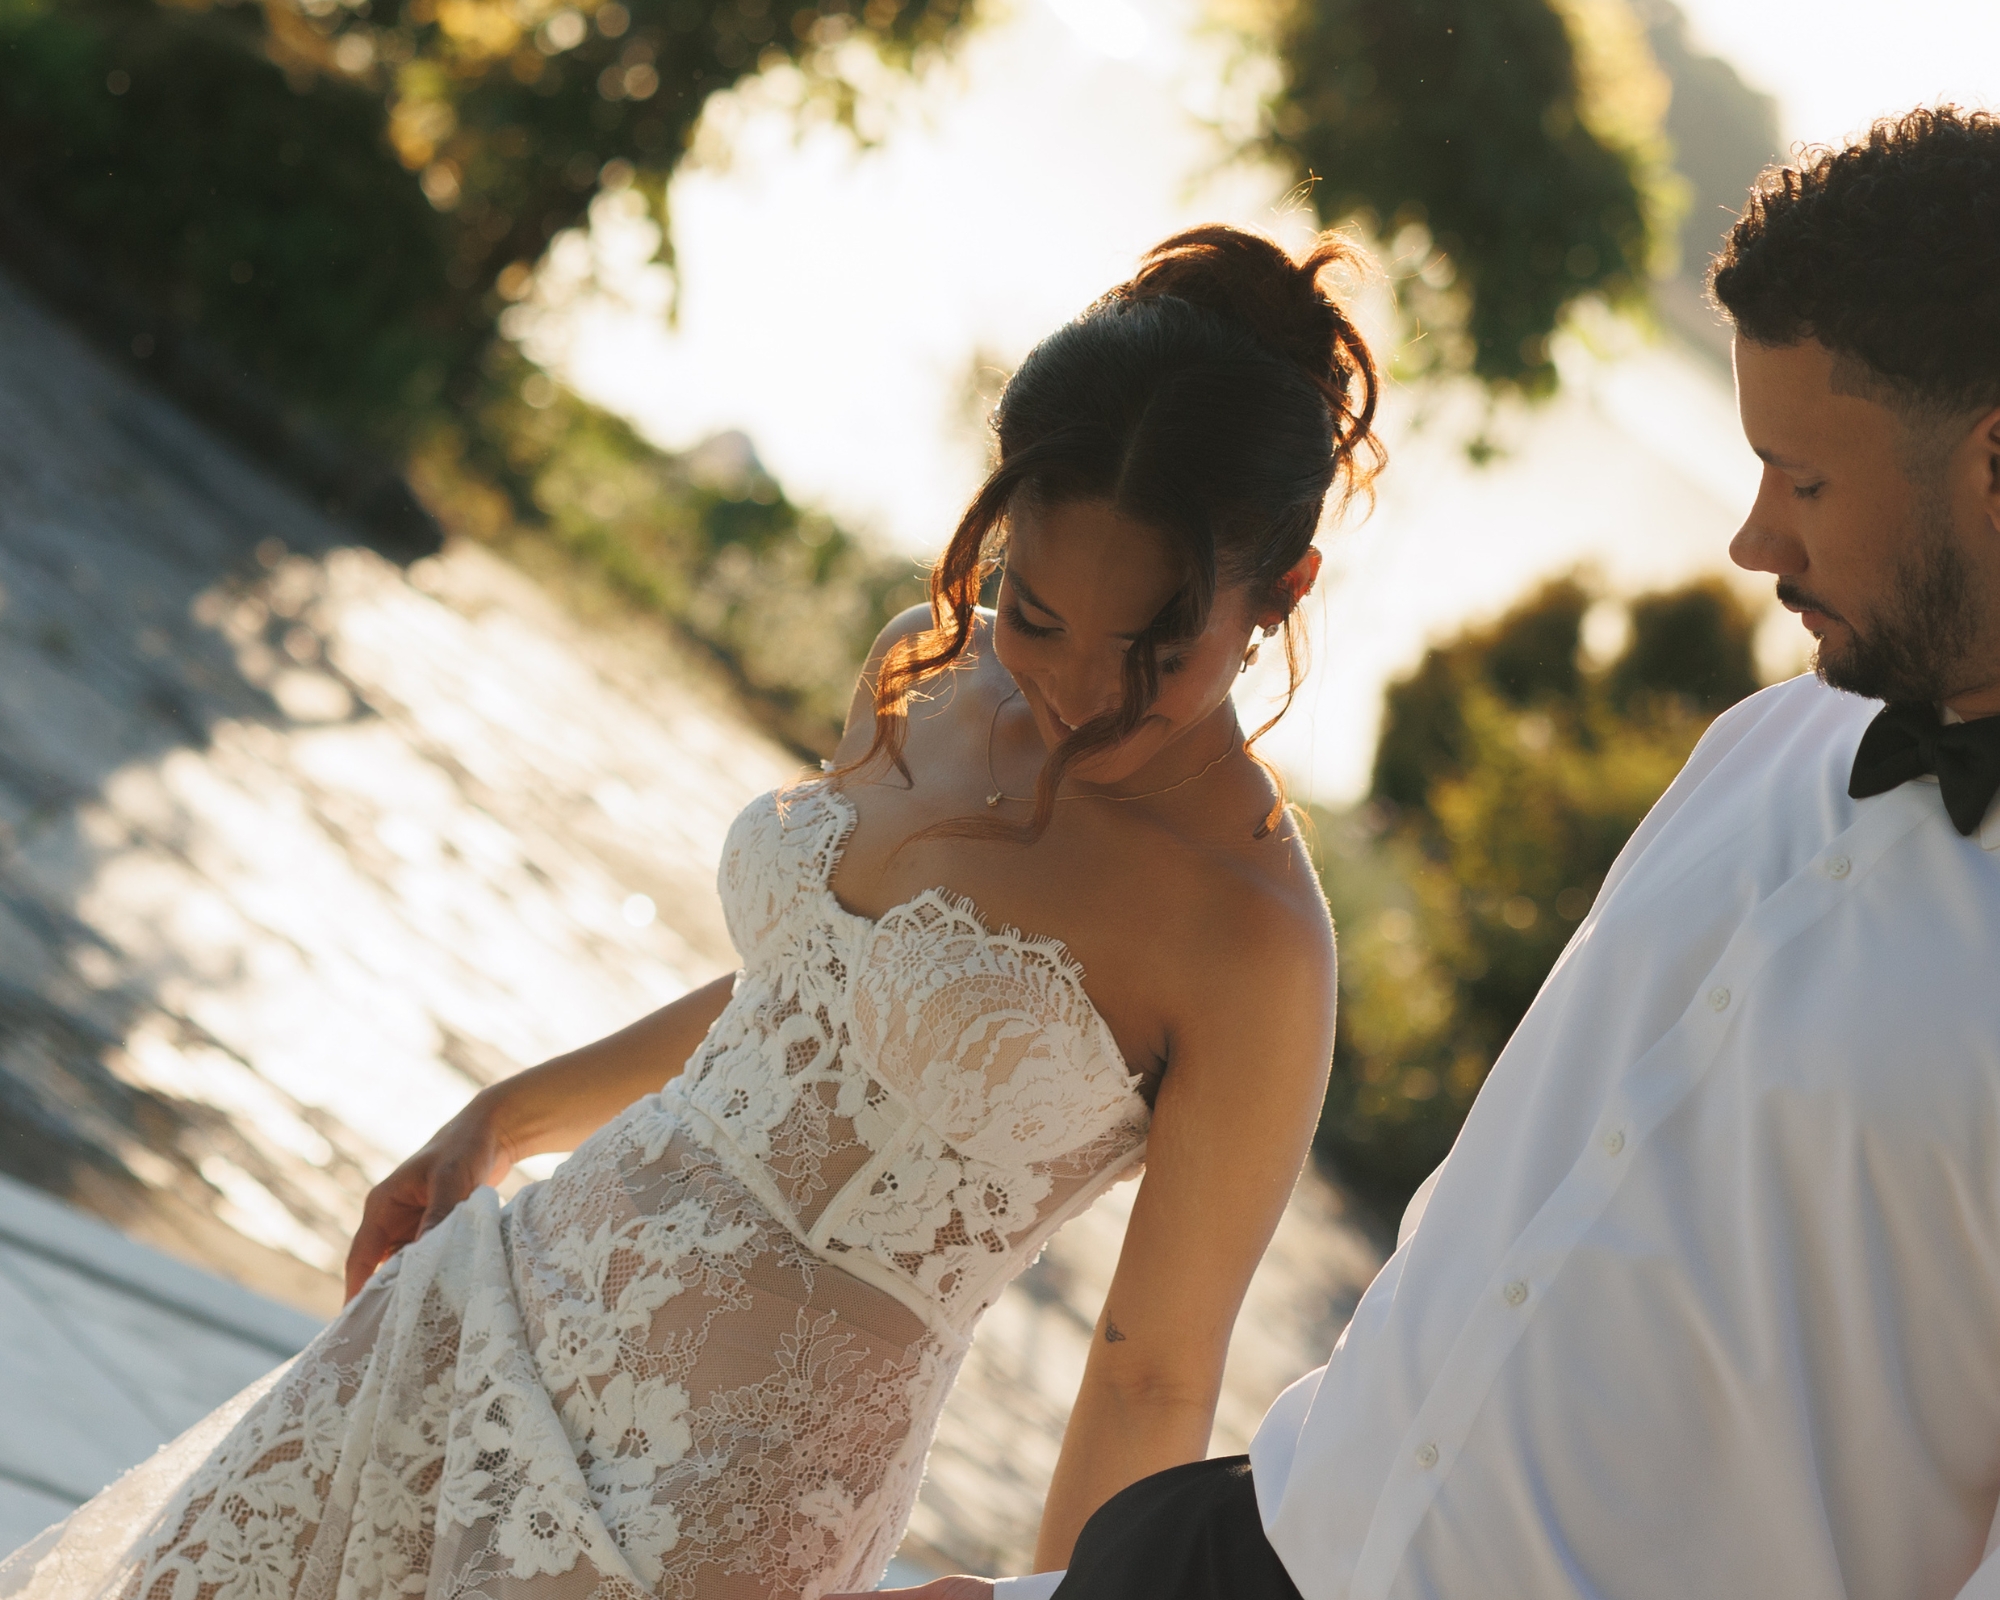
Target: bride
1045	916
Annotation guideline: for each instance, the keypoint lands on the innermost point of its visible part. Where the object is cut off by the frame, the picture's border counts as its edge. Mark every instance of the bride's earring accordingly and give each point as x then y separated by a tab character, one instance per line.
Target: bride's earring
1250	655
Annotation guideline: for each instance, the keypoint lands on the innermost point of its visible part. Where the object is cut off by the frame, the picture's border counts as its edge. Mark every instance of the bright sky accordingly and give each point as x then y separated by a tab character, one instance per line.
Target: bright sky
838	306
835	305
1836	65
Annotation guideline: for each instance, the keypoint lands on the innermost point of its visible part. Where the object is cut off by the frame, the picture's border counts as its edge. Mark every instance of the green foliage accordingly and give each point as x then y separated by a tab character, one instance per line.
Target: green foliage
272	220
1528	658
342	198
782	599
1693	644
1507	779
1521	138
336	193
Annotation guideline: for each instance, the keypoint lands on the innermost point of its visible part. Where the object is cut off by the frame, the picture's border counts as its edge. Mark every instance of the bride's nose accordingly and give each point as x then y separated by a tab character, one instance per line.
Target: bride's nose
1080	697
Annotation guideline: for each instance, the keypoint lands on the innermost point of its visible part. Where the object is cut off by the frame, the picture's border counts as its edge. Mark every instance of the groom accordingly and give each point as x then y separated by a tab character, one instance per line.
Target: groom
1705	1302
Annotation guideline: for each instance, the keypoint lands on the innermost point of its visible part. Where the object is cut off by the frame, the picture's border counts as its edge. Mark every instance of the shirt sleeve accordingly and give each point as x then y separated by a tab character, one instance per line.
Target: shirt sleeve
1036	1586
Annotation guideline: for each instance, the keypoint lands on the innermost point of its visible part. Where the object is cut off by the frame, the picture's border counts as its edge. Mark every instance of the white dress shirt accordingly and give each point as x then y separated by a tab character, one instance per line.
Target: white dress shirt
1706	1300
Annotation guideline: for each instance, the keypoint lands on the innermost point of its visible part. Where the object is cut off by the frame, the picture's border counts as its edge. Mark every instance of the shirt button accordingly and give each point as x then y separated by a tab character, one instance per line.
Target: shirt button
1839	867
1515	1292
1614	1141
1718	998
1427	1456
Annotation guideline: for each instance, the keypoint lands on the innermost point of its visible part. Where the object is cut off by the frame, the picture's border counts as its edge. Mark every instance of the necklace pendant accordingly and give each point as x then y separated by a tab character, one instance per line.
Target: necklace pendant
994	798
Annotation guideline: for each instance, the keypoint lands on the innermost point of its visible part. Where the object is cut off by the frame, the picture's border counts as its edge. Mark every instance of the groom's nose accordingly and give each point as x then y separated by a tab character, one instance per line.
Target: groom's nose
1766	542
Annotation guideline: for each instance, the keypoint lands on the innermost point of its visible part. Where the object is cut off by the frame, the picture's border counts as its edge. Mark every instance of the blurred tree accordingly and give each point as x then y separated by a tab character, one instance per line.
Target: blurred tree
1507	779
1528	657
346	195
1693	645
1724	132
1512	149
265	216
315	211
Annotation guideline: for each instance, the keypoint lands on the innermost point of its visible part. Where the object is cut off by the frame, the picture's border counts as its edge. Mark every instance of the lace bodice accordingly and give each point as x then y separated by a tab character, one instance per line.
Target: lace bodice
705	1359
918	1095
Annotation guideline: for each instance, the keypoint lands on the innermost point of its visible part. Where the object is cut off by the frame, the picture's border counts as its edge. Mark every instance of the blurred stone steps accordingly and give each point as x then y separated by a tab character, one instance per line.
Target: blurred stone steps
107	1351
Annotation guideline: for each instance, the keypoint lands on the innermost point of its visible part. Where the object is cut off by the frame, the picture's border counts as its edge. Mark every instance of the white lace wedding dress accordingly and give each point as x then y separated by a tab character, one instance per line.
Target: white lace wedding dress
705	1359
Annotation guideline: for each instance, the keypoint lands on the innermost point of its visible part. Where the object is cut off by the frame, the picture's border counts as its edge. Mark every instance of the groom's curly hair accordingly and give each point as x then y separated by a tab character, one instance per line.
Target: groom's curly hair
1886	251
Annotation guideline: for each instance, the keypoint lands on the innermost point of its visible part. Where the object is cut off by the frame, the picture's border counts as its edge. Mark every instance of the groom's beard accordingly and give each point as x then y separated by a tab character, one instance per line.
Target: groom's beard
1915	645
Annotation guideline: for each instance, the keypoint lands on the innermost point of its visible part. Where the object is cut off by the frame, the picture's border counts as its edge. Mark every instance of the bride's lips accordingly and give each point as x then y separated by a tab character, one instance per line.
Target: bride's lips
1062	722
1040	708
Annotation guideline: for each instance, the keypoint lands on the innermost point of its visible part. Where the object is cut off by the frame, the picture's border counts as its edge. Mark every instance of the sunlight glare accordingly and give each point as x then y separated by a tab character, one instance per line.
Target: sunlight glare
1113	28
1837	65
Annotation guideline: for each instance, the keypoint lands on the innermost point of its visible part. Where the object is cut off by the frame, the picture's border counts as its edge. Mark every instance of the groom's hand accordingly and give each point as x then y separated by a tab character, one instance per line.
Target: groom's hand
936	1589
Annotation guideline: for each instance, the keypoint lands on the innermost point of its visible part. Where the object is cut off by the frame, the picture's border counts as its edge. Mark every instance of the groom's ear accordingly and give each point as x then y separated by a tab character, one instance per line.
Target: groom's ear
1988	431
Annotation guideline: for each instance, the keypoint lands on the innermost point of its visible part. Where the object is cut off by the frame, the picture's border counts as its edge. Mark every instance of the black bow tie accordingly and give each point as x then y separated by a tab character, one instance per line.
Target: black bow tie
1907	740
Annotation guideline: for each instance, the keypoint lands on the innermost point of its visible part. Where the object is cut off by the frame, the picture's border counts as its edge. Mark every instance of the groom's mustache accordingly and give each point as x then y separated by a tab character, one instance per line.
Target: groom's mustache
1793	598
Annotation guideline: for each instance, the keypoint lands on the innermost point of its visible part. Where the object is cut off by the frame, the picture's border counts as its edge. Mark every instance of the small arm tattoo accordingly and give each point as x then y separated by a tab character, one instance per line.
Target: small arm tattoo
1112	1335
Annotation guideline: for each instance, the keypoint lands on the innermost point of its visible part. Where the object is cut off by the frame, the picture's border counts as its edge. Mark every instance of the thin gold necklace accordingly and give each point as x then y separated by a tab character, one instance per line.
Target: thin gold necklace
998	794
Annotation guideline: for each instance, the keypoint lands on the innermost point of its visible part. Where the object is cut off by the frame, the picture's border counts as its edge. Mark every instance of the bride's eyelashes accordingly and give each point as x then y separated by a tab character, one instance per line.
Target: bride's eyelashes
1016	619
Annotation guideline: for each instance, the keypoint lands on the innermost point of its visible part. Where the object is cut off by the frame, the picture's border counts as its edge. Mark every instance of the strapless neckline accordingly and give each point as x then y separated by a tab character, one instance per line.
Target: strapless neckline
717	1341
1045	944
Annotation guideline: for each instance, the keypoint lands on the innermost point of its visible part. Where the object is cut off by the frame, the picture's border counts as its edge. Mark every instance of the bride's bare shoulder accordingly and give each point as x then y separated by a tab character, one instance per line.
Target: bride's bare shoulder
905	624
969	689
1262	911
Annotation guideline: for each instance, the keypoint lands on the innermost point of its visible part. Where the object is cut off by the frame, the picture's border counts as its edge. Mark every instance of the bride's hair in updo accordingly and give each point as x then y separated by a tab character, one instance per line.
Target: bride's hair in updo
1217	398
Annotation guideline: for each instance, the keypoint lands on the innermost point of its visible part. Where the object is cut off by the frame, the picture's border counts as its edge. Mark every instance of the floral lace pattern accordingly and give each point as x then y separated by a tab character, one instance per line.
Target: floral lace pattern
946	1094
705	1359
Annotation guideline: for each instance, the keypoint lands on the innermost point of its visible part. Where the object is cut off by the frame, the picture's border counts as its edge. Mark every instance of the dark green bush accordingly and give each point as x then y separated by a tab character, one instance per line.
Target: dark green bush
1508	777
333	204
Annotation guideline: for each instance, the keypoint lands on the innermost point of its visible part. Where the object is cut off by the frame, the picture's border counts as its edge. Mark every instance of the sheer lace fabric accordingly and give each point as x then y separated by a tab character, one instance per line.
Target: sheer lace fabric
705	1359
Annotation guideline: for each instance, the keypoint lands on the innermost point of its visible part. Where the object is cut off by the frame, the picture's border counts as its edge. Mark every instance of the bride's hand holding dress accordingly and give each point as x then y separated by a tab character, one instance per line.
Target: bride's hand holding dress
551	1107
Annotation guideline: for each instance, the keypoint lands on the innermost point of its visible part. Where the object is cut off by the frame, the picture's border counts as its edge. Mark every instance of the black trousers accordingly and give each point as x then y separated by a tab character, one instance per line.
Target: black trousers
1189	1533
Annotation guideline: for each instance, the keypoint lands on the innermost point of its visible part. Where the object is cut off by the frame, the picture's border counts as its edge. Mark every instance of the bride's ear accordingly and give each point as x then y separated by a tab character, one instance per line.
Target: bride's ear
1296	584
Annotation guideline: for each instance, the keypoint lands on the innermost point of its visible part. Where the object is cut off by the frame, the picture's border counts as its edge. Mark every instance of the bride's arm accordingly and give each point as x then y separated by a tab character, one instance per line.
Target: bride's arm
554	1106
558	1104
1245	1080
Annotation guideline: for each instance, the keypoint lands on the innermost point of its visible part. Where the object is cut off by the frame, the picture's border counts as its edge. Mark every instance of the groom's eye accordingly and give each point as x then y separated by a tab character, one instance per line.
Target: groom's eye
1806	491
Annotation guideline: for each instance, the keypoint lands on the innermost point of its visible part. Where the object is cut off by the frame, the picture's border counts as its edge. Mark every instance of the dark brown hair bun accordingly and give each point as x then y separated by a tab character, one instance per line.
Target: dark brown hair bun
1253	281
